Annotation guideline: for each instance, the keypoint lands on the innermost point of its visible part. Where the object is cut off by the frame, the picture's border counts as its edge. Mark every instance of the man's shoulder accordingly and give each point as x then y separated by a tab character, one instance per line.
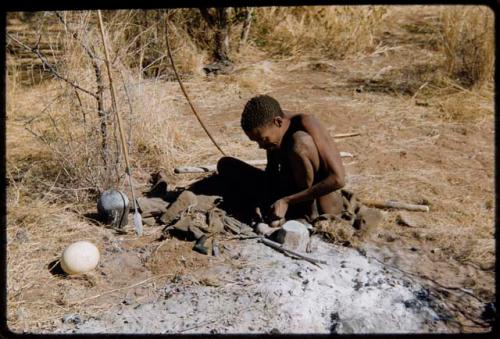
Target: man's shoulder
304	119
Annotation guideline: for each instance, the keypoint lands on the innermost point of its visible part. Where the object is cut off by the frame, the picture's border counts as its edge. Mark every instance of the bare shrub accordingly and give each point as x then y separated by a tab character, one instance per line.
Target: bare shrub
75	122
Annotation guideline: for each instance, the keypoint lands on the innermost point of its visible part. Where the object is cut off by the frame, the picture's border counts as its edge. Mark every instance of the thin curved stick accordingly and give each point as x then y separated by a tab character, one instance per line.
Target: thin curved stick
184	90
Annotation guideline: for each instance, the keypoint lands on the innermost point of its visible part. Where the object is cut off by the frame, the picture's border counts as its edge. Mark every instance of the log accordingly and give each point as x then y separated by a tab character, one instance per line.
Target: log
285	250
396	205
213	168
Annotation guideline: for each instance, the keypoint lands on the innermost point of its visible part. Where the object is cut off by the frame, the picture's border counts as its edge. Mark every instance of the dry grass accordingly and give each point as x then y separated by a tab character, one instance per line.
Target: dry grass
37	233
468	43
466	106
326	31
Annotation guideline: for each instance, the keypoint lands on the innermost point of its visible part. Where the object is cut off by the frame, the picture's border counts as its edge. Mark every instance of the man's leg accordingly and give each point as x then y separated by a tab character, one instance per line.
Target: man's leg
245	186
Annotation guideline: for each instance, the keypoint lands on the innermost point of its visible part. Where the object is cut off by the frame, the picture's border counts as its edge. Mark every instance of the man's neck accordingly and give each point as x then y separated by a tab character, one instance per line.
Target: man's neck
285	128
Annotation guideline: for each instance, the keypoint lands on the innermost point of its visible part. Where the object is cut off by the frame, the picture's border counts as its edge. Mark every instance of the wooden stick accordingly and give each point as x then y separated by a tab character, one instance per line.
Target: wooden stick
184	90
396	205
137	216
346	135
283	249
213	168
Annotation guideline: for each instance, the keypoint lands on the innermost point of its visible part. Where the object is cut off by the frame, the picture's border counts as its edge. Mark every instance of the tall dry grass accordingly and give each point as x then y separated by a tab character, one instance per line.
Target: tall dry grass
468	44
328	31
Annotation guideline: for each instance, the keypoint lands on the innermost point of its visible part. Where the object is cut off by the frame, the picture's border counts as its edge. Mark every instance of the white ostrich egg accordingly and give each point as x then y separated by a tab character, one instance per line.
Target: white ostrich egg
79	257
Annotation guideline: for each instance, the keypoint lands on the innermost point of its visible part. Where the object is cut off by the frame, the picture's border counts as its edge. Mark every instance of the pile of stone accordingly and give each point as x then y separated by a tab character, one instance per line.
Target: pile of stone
198	217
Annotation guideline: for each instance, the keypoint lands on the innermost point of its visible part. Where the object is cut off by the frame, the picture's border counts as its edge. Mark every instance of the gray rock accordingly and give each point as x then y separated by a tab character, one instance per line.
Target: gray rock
293	235
404	219
185	200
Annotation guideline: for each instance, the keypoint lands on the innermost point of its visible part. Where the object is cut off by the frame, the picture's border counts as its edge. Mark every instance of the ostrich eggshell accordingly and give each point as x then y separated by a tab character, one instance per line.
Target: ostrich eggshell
79	257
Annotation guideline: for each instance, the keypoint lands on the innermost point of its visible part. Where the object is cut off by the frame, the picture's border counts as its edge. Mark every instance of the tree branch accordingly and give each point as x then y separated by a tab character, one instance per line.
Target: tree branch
48	67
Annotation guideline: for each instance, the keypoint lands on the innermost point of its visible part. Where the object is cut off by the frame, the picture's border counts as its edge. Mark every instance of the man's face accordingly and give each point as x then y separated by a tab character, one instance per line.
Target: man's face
268	136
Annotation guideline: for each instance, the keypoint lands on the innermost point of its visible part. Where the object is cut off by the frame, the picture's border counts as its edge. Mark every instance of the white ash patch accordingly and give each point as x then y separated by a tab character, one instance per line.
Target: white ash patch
273	292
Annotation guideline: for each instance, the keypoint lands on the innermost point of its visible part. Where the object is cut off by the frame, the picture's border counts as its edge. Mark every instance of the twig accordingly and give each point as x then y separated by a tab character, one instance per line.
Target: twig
283	249
185	93
121	288
346	135
243	237
396	205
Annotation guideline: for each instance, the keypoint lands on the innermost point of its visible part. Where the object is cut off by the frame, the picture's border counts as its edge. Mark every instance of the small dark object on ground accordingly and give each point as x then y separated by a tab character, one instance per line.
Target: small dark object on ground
159	185
489	312
221	67
200	245
334	318
72	318
412	303
423	295
55	268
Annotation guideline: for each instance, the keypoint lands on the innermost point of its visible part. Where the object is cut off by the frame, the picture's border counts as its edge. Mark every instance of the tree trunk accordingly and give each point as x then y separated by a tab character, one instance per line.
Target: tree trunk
219	21
246	27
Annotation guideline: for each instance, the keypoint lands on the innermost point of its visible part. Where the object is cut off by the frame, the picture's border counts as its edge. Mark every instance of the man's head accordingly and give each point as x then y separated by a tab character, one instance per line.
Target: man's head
263	121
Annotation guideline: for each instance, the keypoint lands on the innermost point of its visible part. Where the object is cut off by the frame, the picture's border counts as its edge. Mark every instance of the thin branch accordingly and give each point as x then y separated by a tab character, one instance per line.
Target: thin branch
103	115
185	93
47	65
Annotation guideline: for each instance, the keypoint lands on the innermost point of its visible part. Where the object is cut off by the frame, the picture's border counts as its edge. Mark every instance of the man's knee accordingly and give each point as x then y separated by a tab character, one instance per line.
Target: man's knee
225	165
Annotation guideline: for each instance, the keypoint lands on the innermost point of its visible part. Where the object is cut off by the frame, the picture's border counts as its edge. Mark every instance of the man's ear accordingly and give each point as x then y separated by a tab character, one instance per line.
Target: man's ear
278	121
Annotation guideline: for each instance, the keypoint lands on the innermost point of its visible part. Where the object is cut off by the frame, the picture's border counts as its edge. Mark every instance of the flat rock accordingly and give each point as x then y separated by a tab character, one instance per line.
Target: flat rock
404	219
151	206
183	202
207	202
367	219
293	235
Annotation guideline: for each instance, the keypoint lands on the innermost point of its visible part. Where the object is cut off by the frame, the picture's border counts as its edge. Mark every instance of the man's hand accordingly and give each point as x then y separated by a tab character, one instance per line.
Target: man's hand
257	215
279	208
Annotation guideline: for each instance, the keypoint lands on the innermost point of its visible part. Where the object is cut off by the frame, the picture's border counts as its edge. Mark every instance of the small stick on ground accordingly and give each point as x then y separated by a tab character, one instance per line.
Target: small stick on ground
285	250
121	288
396	205
346	135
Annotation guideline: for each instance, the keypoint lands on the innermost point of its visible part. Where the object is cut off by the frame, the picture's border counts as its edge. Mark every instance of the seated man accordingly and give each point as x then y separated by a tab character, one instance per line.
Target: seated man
303	171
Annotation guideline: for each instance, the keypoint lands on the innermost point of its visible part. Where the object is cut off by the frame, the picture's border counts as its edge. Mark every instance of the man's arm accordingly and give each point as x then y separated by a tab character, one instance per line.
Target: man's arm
329	158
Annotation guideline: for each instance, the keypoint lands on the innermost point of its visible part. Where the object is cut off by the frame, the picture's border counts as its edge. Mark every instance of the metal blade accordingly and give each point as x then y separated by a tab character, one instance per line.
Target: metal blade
138	223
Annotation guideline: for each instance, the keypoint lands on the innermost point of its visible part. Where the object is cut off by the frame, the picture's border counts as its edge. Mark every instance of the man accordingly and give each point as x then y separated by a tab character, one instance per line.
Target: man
304	169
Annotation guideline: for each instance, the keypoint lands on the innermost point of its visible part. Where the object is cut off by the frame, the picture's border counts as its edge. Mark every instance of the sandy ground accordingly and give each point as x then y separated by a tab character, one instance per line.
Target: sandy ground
270	292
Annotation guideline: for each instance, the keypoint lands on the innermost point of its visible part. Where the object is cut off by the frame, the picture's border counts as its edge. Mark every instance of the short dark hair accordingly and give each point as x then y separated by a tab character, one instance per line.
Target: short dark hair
259	111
